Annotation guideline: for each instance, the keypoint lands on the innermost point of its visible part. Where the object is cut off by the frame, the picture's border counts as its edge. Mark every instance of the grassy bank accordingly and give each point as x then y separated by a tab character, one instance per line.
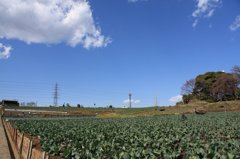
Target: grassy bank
228	106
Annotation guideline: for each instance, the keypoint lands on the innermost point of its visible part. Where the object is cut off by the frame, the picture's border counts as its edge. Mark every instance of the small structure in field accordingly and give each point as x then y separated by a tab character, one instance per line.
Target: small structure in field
183	117
162	109
200	111
13	103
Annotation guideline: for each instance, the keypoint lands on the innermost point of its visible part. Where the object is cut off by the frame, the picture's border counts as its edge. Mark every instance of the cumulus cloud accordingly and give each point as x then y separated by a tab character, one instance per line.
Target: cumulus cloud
50	22
133	101
204	9
5	51
176	99
236	24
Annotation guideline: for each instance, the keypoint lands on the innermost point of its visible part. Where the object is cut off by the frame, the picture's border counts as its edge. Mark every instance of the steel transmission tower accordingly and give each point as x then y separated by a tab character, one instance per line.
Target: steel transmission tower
55	97
130	100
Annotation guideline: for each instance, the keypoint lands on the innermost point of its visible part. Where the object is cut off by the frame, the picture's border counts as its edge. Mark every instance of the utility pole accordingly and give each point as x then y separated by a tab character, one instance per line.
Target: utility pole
156	102
130	100
55	97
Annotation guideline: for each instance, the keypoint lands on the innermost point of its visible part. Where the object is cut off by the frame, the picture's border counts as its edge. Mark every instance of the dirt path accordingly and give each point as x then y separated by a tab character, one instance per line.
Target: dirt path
4	149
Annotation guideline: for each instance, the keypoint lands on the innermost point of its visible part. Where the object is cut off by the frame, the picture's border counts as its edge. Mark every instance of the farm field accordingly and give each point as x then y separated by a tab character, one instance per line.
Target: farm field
214	135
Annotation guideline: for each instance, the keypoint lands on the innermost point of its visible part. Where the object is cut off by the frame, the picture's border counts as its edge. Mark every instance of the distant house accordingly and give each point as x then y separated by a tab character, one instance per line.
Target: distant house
9	103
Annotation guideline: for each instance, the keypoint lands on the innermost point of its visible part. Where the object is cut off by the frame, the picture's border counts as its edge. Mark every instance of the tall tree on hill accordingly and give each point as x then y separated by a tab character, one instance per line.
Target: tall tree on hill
236	73
224	88
187	90
204	85
188	87
215	86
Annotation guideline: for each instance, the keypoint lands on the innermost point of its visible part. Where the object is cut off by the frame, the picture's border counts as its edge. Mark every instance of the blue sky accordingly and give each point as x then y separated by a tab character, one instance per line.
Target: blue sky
99	51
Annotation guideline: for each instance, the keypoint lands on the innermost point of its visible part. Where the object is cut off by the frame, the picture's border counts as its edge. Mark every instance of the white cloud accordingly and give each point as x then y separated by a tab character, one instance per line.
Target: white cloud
50	22
132	0
195	23
136	0
176	99
205	9
210	13
236	24
133	101
5	51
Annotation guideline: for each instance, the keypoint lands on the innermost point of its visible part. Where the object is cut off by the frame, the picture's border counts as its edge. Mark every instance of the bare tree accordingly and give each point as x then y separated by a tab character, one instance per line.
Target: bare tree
224	88
236	72
188	87
236	69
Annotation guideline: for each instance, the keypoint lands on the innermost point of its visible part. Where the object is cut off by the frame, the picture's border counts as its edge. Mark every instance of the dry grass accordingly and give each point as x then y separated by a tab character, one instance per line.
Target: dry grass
184	108
218	106
114	115
148	111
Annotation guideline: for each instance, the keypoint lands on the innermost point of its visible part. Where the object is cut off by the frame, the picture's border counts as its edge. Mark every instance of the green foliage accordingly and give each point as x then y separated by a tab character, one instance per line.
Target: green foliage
208	136
215	86
187	98
211	100
204	85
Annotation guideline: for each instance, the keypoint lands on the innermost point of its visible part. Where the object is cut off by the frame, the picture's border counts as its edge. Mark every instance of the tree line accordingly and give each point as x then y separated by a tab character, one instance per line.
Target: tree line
213	86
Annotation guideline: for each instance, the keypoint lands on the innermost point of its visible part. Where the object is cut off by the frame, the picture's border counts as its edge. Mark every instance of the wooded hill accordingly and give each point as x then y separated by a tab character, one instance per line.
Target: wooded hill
213	87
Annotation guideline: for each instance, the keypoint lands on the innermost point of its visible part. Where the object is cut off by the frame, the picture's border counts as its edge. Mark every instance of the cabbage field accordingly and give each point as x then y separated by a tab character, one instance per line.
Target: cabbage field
214	135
